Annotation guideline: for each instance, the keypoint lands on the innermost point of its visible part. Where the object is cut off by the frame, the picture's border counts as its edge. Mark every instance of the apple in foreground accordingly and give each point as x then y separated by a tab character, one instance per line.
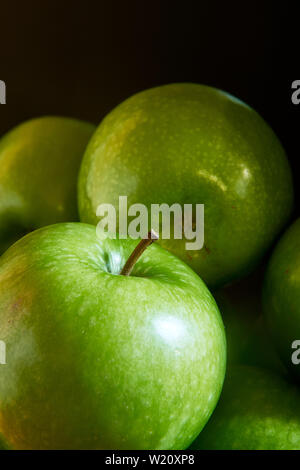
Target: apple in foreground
258	410
191	144
101	358
39	164
281	297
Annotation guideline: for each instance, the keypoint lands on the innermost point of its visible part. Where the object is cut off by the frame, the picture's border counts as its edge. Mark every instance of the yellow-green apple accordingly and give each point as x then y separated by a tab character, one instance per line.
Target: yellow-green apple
192	144
39	163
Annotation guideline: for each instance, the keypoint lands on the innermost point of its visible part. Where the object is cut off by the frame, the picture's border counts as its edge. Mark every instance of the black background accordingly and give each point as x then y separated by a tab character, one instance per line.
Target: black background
82	58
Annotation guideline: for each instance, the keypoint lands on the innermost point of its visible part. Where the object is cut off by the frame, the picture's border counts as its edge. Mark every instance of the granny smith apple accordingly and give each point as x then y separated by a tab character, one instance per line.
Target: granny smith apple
39	163
192	144
248	339
281	297
258	410
101	358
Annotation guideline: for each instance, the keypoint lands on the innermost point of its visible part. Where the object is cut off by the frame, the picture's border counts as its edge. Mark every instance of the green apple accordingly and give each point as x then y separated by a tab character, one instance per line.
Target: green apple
39	164
101	360
191	144
258	410
281	297
248	340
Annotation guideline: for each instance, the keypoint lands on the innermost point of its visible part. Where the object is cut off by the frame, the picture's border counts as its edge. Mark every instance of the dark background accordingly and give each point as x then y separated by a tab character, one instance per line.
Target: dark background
80	59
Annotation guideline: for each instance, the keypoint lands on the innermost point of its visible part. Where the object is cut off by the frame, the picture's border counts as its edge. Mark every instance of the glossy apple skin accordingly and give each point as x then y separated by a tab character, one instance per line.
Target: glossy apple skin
97	360
281	295
188	143
39	164
258	410
248	339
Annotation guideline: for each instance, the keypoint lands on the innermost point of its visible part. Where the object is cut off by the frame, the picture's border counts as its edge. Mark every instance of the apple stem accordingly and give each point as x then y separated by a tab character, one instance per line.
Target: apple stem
137	252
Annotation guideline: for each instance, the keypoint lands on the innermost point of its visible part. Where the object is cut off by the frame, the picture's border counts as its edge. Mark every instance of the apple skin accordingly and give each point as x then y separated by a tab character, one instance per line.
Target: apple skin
281	295
248	339
258	410
39	164
3	444
97	360
189	143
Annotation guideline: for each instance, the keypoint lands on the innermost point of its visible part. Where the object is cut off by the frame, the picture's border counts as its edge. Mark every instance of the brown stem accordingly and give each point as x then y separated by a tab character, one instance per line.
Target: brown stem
137	252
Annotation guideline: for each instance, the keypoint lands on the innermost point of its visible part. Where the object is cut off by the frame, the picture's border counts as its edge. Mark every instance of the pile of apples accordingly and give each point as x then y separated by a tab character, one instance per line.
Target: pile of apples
97	358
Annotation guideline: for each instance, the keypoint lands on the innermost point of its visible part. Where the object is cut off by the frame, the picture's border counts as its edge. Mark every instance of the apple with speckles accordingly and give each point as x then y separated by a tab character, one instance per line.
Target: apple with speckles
192	144
39	164
108	346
